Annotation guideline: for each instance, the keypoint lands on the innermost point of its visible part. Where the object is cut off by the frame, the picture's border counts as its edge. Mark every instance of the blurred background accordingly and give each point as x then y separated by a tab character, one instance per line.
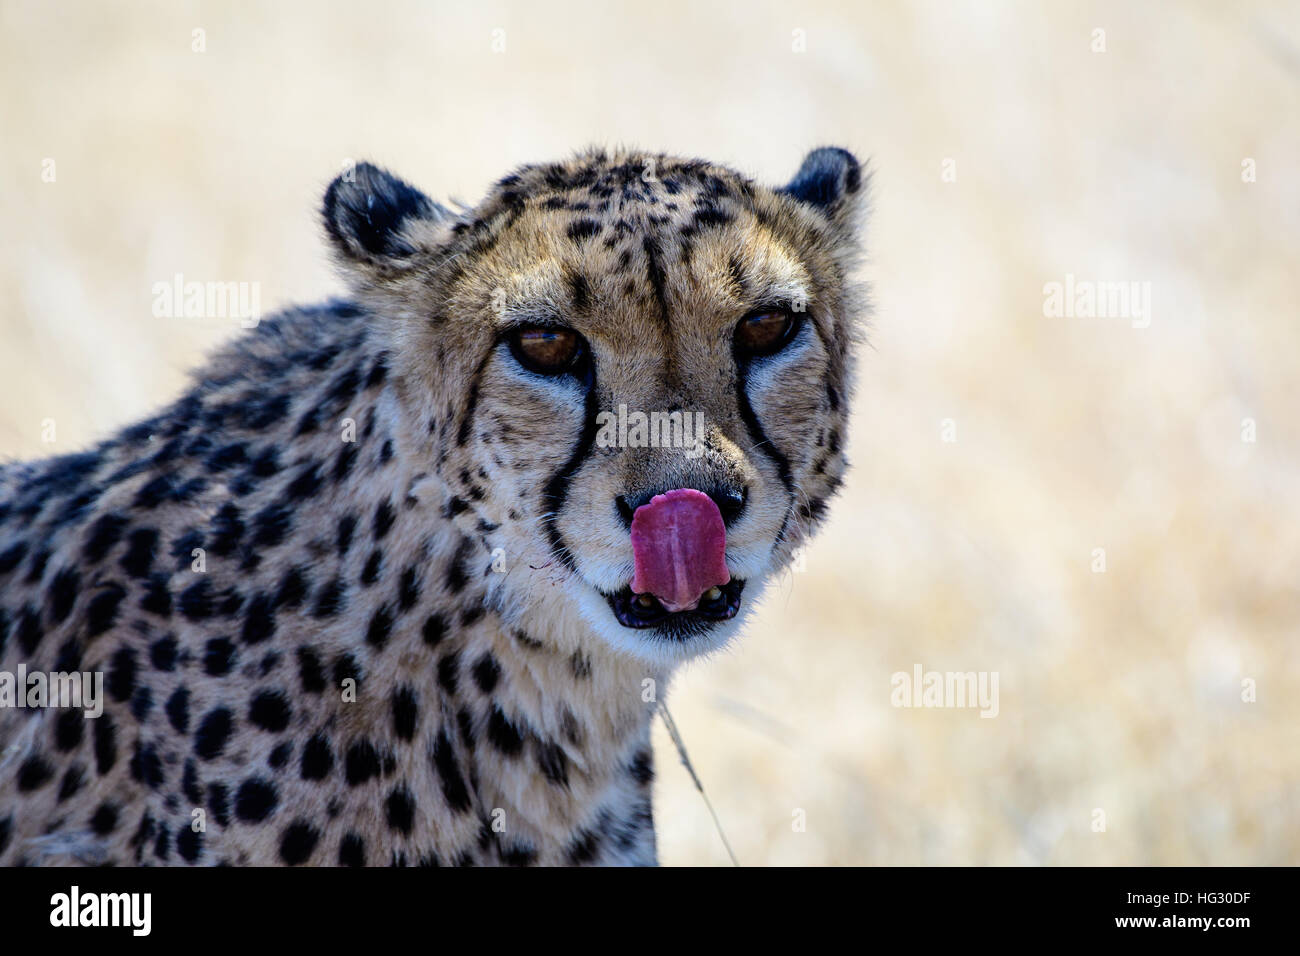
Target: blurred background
996	447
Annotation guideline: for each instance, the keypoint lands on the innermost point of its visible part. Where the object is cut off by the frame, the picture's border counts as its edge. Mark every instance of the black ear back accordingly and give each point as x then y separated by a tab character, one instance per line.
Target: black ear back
368	212
826	176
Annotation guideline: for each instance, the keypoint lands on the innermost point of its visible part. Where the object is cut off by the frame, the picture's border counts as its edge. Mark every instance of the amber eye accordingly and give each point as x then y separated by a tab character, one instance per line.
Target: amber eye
764	333
546	350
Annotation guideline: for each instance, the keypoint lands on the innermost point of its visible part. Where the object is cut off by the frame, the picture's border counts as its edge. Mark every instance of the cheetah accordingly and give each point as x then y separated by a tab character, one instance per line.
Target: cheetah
400	579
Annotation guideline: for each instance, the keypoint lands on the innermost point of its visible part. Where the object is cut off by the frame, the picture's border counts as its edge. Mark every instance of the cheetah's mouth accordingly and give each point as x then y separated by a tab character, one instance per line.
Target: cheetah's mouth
646	610
681	585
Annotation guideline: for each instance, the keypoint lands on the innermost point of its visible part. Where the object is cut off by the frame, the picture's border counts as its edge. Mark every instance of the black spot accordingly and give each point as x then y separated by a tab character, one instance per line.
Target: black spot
280	755
580	663
449	672
69	658
344	388
227	530
196	601
157	599
63	594
162	846
579	291
293	589
121	674
101	612
227	457
141	546
378	371
486	673
266	464
343	465
33	774
104	819
317	758
525	641
408	589
330	601
146	766
370	573
405	712
435	629
401	810
381	626
190	785
384	516
219	802
453	784
642	767
69	729
29	631
361	763
347	527
580	230
219	656
270	525
504	735
72	781
518	854
458	570
189	843
259	620
707	216
554	764
270	711
352	851
142	703
255	800
309	670
346	667
103	534
105	744
162	653
36	570
12	557
214	730
584	847
305	485
297	842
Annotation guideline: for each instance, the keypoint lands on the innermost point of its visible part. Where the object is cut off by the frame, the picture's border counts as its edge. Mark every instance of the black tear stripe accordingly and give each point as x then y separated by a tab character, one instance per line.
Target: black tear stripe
471	404
557	489
755	428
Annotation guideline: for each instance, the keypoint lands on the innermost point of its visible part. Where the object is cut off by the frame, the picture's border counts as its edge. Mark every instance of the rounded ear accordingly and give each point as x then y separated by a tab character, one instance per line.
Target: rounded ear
376	219
831	180
826	176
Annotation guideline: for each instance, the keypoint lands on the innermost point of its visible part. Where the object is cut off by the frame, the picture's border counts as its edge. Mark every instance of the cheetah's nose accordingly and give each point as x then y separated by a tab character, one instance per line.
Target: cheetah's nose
679	545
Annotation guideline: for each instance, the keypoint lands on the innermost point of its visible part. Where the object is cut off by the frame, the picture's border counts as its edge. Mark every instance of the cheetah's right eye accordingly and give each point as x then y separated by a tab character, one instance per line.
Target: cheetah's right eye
547	350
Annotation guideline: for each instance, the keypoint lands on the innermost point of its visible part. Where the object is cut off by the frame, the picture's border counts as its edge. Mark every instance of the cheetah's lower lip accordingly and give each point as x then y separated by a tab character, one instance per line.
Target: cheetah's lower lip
631	610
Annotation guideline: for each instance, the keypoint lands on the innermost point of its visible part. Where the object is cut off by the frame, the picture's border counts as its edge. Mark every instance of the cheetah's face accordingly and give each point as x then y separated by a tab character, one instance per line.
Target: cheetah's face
631	370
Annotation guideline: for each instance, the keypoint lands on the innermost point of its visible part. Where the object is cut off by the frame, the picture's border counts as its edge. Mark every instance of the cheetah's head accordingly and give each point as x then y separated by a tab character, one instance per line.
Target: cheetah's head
629	371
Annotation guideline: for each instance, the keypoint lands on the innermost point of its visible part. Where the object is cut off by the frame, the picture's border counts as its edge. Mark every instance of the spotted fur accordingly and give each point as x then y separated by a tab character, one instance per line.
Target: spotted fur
399	649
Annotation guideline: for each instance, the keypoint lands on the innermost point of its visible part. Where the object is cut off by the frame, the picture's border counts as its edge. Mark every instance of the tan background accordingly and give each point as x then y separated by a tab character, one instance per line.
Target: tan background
1119	690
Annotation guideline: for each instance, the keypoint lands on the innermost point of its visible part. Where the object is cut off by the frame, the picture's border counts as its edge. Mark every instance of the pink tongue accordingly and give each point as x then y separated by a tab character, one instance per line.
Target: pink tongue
679	544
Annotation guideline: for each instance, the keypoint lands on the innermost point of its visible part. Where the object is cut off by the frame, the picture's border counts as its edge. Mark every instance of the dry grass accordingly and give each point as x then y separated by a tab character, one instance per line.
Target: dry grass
1119	691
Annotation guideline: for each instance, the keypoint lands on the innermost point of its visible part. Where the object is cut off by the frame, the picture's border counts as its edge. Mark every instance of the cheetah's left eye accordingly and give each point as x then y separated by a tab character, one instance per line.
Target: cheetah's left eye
765	333
546	350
